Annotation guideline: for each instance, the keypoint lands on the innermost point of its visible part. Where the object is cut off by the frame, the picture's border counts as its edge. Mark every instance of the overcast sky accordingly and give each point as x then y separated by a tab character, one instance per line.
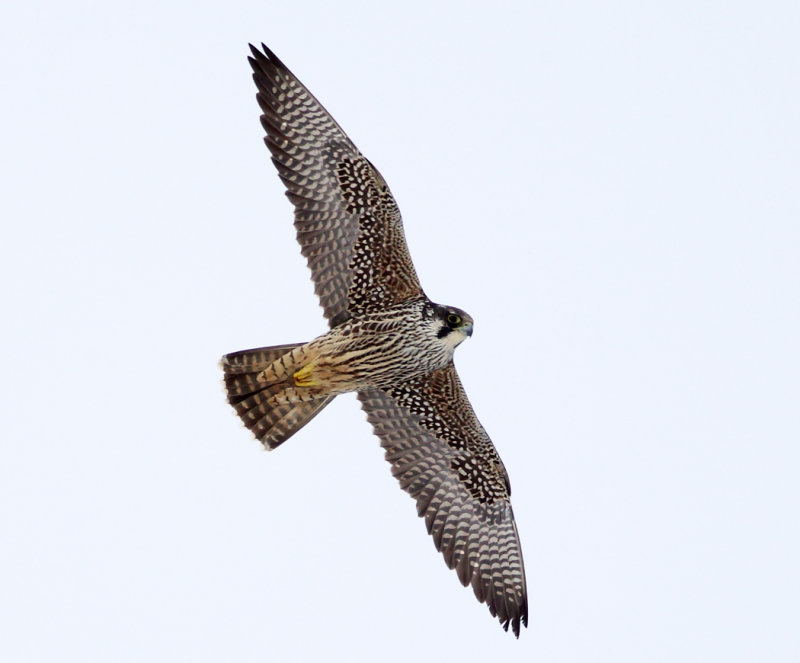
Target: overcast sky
609	189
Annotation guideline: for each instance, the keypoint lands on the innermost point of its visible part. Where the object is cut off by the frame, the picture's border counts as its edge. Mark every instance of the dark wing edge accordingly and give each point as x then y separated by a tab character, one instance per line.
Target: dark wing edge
443	458
348	224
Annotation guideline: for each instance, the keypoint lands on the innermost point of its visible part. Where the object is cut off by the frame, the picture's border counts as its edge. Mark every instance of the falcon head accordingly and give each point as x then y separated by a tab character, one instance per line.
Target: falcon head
453	325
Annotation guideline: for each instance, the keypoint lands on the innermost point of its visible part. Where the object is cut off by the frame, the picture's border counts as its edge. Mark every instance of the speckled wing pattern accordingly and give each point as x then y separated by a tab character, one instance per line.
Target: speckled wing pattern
347	222
443	458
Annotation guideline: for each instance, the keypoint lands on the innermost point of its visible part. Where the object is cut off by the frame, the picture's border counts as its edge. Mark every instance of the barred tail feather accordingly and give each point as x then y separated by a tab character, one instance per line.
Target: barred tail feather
255	403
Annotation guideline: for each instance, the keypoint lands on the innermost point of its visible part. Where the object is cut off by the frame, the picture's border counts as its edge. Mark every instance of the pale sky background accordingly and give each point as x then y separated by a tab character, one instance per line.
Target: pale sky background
609	189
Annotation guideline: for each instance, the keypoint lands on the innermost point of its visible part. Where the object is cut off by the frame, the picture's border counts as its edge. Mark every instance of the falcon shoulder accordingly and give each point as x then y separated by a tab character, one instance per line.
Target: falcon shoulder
443	458
348	224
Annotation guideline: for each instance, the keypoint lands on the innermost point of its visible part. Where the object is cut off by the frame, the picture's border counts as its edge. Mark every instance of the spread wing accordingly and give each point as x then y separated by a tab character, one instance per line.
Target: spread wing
348	224
443	458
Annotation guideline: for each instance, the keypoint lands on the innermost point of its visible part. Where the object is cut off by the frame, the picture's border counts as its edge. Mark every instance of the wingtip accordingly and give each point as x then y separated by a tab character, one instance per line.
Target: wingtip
257	55
516	623
520	620
265	54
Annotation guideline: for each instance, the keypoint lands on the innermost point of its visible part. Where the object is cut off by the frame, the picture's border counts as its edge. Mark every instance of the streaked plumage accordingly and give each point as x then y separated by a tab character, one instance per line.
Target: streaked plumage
387	341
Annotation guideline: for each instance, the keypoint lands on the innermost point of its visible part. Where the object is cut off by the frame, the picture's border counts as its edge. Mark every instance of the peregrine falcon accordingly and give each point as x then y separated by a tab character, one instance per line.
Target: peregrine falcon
387	341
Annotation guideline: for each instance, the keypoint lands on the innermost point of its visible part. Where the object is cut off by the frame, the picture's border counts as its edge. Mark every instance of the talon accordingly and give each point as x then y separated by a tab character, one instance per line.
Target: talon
305	376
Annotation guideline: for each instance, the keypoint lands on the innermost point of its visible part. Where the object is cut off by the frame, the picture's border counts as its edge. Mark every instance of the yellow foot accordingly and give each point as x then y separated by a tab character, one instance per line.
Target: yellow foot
305	376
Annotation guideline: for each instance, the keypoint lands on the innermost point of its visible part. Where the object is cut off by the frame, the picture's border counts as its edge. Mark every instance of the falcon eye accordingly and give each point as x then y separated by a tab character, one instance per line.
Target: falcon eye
453	320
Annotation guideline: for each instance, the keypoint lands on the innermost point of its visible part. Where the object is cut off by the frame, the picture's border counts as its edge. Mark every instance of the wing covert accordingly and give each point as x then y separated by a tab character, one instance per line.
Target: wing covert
443	458
348	224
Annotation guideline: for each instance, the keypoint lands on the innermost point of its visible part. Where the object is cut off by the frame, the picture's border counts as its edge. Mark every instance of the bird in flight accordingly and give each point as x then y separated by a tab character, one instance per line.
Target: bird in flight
387	341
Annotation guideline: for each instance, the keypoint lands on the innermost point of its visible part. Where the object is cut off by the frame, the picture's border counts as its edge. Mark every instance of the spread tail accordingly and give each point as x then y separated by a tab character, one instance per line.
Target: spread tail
272	419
